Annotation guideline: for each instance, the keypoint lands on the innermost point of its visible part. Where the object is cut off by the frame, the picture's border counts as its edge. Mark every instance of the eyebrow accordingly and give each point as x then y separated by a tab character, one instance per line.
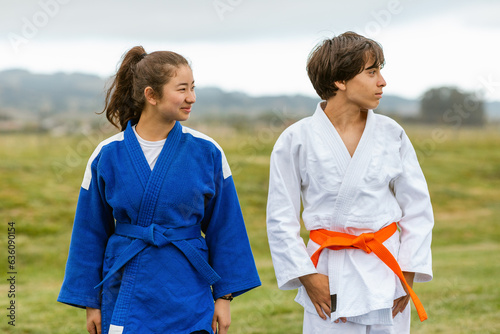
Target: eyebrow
374	66
185	84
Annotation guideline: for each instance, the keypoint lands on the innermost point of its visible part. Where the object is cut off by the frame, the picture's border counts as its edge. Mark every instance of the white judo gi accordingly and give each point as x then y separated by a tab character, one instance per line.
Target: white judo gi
380	184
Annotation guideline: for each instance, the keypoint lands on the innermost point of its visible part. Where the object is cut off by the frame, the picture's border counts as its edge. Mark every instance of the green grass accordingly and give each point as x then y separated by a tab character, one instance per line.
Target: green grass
40	178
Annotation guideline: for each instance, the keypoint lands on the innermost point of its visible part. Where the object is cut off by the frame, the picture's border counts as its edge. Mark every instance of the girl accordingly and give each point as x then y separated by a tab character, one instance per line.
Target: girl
158	232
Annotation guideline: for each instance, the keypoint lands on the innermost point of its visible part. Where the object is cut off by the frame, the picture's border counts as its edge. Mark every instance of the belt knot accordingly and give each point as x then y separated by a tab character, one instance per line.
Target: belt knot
154	235
362	240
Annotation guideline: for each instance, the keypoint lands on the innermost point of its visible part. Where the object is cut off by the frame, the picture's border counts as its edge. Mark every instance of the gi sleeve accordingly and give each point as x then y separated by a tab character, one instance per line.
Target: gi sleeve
229	249
417	220
92	227
288	250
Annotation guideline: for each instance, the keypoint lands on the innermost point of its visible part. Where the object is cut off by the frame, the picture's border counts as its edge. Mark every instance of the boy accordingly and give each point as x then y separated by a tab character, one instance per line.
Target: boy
365	199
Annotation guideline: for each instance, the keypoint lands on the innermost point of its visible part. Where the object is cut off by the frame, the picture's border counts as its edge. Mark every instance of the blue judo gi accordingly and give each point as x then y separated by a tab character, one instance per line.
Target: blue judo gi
137	250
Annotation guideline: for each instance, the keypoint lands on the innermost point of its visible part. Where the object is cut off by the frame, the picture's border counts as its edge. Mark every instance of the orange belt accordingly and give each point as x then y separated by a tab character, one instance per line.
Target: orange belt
369	242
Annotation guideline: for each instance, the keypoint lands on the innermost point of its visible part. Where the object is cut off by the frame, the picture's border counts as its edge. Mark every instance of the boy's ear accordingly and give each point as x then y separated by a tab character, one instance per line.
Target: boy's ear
340	85
150	95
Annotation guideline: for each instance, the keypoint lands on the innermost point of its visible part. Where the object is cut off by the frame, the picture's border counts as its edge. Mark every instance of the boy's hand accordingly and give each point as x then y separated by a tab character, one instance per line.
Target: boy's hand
401	303
318	289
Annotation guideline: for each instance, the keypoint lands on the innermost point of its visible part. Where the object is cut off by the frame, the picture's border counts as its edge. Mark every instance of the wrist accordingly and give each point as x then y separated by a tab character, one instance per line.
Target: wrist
309	279
228	297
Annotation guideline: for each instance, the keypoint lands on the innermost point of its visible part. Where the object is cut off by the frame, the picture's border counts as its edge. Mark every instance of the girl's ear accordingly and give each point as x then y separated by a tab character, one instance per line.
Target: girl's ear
340	85
150	95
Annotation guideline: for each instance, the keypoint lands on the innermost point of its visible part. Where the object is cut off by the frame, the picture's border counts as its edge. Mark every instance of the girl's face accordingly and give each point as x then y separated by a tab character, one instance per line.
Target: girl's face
178	96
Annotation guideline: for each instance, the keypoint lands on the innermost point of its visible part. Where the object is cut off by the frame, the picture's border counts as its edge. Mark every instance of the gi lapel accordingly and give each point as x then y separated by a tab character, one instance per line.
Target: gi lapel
139	161
152	181
332	139
158	175
353	168
357	167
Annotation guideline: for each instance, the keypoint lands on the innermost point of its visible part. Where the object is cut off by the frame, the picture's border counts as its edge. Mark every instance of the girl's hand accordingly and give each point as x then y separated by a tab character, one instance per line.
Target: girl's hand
222	316
93	320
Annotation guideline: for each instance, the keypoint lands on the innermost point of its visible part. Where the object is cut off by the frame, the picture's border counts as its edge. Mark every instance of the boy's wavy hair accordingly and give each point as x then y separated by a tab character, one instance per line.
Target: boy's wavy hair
341	59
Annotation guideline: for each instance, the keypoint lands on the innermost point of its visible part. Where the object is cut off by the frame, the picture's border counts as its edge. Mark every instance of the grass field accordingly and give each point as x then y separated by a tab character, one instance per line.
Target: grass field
40	178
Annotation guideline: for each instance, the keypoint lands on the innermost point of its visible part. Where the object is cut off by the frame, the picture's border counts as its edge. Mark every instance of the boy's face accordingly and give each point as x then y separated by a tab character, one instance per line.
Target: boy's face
365	89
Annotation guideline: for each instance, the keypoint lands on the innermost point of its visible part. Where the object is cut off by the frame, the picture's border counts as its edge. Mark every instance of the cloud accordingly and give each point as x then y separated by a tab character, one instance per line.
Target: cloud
257	46
216	20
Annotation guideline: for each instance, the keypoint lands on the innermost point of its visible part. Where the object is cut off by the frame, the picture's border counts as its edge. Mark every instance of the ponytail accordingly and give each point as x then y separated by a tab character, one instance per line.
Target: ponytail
125	97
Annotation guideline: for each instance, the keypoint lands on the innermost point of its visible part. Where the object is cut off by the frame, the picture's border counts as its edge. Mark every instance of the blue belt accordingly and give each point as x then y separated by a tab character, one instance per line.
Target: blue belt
160	236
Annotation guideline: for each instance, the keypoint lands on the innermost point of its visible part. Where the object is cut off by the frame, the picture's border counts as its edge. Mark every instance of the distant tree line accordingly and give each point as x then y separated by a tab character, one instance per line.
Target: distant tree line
450	106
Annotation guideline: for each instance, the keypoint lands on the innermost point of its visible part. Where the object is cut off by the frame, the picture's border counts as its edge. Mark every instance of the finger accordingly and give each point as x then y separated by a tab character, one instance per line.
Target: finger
400	305
319	310
91	329
405	303
223	329
396	307
223	325
214	324
326	310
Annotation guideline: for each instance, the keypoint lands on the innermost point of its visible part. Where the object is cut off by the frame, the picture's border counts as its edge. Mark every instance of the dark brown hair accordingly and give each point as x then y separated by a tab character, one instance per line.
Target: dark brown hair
340	59
125	97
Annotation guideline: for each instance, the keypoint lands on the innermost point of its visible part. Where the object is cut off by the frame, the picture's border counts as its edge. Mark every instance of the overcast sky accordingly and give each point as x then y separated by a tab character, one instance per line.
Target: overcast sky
260	47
